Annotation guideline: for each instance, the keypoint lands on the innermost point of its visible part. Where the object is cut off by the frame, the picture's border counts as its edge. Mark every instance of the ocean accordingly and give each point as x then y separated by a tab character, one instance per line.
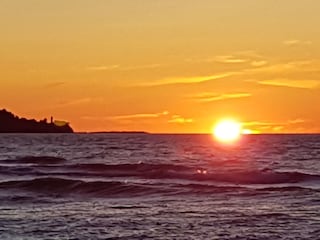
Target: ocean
153	186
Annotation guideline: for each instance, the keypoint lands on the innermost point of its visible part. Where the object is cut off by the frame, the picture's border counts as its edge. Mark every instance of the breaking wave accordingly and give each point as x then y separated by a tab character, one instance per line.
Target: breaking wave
57	176
169	171
70	187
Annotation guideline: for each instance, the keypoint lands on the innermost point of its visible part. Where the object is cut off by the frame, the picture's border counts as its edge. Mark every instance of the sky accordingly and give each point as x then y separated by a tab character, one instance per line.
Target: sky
163	66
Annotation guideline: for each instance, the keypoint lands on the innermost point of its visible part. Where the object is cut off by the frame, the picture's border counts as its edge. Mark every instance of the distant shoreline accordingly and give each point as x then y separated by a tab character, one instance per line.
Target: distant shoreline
116	132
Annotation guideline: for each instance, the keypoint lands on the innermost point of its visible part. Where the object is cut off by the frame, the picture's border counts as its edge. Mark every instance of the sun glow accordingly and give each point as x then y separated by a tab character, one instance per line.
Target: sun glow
247	131
227	131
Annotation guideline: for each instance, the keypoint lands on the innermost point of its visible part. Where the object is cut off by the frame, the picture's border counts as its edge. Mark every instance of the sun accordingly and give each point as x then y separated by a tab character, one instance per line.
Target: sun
227	131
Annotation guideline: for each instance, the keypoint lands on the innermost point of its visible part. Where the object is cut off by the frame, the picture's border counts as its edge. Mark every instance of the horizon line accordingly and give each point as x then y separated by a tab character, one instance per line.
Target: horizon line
189	133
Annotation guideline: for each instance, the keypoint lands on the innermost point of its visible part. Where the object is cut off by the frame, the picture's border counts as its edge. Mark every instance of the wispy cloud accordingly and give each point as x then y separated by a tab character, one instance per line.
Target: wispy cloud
102	67
75	102
261	123
142	117
294	74
230	59
306	84
211	97
292	125
251	58
180	120
295	42
139	116
121	68
297	121
186	80
294	68
79	101
259	63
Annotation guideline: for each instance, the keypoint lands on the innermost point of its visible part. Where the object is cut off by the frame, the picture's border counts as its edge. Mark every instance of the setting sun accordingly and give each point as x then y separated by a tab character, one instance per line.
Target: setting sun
227	130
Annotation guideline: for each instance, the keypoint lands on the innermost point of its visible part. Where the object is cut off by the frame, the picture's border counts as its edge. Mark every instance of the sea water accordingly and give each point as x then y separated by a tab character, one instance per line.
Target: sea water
150	186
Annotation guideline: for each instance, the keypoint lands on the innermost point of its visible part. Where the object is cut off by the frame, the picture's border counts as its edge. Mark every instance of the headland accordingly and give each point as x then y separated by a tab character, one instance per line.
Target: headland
9	123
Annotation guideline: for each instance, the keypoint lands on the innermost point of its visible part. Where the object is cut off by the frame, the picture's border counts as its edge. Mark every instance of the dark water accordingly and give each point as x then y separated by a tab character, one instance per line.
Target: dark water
116	186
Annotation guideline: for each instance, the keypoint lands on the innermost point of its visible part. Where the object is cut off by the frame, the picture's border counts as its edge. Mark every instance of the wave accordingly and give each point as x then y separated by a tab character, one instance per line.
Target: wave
53	166
261	177
35	160
58	187
139	167
169	171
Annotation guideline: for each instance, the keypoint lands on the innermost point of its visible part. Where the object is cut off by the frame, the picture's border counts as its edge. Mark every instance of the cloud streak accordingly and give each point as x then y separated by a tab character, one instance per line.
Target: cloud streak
296	42
259	63
180	120
237	57
212	97
139	116
230	59
305	84
79	101
121	68
289	125
103	68
186	80
164	116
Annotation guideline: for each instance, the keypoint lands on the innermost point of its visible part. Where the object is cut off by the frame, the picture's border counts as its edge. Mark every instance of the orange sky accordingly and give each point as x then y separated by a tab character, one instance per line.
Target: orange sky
162	65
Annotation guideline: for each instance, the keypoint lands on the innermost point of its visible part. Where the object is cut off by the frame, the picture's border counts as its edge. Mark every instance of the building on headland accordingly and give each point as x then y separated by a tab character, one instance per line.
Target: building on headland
9	123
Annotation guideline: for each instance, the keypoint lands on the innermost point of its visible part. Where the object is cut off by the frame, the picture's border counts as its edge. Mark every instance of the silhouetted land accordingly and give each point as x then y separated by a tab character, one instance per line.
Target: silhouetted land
9	123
